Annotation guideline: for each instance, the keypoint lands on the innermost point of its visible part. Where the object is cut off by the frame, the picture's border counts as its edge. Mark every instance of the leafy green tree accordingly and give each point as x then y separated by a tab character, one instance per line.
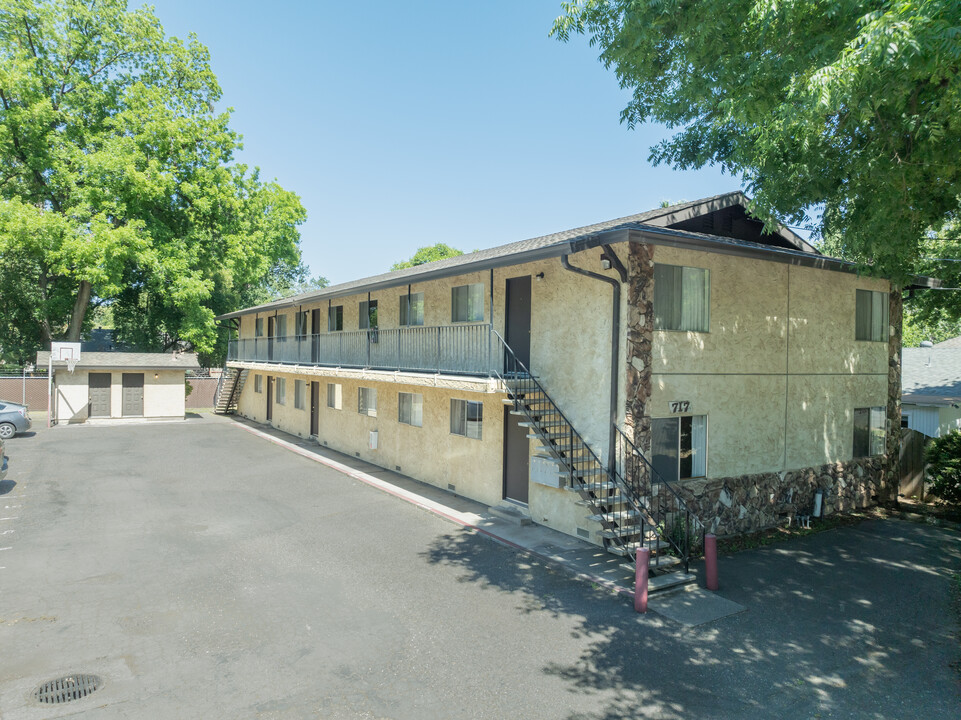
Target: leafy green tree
440	251
943	456
853	106
118	183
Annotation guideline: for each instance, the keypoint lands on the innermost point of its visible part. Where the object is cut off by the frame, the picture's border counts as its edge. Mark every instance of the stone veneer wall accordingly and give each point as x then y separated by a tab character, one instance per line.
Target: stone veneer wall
747	503
640	337
892	470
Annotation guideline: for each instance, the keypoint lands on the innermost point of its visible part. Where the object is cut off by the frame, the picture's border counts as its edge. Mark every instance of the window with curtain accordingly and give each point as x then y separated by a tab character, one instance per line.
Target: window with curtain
281	326
300	394
679	446
258	383
367	401
869	432
281	391
335	318
410	409
412	309
467	418
467	303
682	298
334	396
871	316
367	314
300	324
259	327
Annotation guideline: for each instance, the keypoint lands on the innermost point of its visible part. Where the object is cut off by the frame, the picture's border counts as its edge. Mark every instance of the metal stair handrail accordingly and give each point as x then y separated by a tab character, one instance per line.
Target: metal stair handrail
692	527
641	513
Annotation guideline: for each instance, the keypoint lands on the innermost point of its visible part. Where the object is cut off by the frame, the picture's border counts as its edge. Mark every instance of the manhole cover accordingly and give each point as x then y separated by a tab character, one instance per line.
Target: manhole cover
65	689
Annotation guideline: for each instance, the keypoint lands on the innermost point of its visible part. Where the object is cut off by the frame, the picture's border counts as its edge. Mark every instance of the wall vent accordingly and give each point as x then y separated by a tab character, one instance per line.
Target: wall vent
450	486
397	468
586	534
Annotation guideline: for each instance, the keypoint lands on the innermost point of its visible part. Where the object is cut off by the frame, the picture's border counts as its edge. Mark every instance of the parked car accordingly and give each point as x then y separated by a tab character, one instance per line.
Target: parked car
14	419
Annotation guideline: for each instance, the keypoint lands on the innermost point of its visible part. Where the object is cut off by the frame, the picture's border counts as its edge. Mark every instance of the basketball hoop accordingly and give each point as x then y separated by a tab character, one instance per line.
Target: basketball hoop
72	363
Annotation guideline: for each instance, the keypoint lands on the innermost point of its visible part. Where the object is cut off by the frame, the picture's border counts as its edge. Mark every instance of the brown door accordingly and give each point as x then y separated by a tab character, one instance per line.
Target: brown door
270	339
519	318
132	395
270	398
516	458
314	408
314	332
99	395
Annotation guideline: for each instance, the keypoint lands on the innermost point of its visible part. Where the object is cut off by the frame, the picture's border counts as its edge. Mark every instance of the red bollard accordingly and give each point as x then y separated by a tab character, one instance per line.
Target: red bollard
710	560
641	567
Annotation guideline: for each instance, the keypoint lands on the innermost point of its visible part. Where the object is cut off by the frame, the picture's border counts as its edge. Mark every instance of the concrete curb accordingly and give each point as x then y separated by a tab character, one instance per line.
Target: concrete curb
465	520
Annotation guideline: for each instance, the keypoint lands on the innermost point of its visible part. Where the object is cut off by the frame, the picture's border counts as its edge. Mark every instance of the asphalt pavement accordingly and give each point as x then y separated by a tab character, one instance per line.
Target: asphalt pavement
203	571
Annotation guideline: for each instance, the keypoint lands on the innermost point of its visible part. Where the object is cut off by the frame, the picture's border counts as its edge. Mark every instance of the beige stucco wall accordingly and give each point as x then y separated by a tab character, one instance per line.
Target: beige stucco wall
163	393
780	373
429	453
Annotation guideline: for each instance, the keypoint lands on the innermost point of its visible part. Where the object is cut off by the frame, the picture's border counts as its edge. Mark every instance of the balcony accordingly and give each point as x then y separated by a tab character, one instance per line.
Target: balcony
448	349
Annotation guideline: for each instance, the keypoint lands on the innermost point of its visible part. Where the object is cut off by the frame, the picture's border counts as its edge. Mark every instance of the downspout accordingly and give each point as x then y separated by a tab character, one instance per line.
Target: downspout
610	255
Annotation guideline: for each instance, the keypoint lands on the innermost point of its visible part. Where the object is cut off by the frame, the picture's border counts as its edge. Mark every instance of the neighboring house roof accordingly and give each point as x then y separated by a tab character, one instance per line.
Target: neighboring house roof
954	342
931	376
103	340
145	361
653	225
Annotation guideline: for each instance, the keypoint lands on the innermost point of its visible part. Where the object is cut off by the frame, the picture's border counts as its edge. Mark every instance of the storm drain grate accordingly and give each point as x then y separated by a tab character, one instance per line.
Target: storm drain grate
65	689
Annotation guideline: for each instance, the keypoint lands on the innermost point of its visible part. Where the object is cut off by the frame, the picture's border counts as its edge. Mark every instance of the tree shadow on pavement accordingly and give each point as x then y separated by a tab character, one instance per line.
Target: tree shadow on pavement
854	622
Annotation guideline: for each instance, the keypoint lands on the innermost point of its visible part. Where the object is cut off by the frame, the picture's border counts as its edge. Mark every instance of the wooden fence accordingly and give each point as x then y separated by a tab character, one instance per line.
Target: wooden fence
32	391
912	464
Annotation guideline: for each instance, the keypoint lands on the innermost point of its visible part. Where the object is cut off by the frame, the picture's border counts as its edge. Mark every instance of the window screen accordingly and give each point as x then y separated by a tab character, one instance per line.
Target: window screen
467	303
871	316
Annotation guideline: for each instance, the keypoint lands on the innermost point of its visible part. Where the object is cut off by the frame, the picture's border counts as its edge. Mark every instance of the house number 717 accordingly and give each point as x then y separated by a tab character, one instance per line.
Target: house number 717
681	406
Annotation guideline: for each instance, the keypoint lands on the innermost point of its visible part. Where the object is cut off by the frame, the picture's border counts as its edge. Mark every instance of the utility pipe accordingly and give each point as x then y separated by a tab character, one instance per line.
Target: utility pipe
615	336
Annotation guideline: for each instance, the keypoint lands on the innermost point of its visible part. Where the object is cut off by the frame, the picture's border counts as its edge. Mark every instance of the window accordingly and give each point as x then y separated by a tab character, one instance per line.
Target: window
367	401
334	396
868	431
281	326
679	446
281	392
466	418
300	394
258	383
410	409
259	327
871	316
412	309
467	303
682	298
368	315
905	420
335	318
300	324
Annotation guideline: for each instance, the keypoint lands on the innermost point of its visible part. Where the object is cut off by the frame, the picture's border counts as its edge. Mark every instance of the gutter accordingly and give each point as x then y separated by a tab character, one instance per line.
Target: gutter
615	333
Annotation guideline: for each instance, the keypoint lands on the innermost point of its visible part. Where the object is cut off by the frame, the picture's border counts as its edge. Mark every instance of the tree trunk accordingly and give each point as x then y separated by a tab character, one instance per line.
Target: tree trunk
80	306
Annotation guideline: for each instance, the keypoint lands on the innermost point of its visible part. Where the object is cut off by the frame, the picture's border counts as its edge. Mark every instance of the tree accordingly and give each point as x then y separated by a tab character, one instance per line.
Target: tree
440	251
850	107
118	184
943	456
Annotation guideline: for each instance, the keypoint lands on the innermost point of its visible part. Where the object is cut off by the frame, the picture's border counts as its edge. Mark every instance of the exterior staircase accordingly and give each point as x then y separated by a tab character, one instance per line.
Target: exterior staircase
228	390
631	513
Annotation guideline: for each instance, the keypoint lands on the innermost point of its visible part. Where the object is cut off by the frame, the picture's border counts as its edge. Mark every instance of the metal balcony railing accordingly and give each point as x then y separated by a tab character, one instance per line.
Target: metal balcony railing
456	349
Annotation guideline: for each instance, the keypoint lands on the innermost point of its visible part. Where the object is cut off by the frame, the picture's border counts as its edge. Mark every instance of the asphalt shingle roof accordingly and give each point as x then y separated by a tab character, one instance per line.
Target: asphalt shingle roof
152	361
954	342
932	373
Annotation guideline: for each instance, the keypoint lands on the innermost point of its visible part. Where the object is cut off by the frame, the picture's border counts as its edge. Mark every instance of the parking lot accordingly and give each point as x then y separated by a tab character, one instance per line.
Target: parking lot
203	572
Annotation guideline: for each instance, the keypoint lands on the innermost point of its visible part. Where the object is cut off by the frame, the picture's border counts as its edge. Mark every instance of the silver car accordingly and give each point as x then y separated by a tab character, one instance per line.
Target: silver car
14	419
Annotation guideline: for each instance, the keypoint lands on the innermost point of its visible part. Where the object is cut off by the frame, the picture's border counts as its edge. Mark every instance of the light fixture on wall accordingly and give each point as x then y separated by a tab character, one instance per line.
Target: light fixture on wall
605	262
156	376
539	276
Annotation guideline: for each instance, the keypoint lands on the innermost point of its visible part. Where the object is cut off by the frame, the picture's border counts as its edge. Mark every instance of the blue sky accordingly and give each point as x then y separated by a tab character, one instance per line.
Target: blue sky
407	124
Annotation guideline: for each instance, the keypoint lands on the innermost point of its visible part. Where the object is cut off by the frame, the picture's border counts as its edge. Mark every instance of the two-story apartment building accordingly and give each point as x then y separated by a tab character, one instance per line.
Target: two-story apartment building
748	368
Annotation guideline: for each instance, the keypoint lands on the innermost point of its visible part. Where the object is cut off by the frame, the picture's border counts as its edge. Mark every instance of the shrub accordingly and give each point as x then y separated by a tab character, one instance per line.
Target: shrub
943	456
